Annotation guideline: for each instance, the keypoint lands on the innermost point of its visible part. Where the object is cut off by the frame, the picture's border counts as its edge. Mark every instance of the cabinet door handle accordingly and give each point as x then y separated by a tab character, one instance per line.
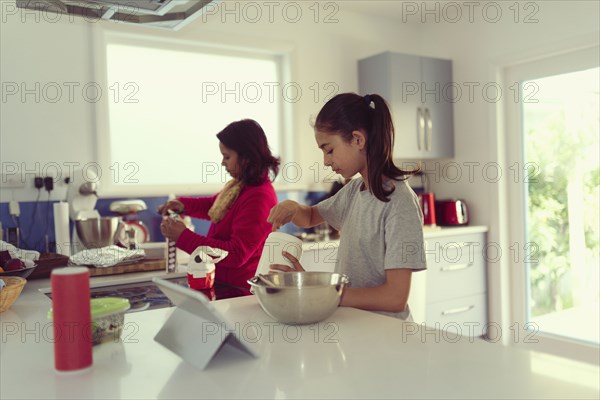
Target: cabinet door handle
458	310
456	267
420	128
429	130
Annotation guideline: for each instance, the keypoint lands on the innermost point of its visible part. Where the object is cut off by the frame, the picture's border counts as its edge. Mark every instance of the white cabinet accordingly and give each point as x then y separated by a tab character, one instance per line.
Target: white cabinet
456	284
419	92
319	256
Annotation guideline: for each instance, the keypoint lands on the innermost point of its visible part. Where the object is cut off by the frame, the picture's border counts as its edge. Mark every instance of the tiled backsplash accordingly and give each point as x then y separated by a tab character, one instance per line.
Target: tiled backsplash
36	220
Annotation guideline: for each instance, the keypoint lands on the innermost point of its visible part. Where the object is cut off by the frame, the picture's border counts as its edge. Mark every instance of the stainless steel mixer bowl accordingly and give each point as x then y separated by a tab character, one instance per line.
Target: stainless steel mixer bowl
299	297
98	232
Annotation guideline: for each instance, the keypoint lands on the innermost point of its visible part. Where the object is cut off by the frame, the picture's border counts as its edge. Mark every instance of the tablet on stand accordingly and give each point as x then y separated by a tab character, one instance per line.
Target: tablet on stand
196	331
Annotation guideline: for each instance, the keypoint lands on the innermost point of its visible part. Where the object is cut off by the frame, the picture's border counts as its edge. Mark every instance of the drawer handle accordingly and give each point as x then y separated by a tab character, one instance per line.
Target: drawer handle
456	267
458	310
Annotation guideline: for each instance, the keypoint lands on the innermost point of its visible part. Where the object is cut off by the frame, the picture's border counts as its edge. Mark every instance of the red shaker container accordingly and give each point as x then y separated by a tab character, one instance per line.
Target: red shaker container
72	319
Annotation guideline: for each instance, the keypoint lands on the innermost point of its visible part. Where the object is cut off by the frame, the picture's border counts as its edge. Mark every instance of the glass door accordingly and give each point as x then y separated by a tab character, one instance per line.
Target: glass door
560	137
553	151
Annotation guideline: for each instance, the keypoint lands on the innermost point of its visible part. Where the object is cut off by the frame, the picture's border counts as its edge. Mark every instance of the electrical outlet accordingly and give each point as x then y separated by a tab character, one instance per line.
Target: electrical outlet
11	181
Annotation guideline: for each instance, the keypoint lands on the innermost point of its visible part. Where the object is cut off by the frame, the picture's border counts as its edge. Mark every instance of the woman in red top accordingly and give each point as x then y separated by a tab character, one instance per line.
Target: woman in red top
239	212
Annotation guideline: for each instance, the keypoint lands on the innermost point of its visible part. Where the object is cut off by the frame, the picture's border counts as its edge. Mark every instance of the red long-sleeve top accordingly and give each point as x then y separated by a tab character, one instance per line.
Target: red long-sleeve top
242	232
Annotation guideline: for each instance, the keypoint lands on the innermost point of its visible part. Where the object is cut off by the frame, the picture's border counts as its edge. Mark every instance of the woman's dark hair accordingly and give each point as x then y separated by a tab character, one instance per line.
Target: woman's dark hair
348	112
248	140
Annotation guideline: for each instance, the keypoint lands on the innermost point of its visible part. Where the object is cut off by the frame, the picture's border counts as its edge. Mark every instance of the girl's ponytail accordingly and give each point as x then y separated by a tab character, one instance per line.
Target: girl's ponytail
348	112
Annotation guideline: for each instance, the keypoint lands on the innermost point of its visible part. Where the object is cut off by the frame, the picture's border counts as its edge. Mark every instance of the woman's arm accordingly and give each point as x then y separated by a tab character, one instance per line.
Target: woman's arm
247	234
302	216
197	207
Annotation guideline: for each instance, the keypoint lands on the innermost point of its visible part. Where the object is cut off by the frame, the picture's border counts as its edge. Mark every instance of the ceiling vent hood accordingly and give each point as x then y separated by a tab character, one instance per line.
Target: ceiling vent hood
166	14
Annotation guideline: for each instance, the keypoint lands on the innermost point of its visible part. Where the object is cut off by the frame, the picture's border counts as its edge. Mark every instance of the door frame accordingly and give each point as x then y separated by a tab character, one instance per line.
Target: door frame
516	212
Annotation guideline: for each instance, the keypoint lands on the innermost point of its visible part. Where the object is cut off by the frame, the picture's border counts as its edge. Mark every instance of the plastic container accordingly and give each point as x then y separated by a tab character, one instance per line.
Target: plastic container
108	317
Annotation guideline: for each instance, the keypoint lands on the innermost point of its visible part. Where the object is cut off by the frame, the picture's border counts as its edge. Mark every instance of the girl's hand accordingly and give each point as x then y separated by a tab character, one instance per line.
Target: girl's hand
286	268
282	213
172	228
174	205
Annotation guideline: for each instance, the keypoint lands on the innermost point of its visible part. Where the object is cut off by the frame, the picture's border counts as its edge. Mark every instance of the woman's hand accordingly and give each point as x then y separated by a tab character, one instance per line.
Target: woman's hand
282	213
286	268
172	228
174	205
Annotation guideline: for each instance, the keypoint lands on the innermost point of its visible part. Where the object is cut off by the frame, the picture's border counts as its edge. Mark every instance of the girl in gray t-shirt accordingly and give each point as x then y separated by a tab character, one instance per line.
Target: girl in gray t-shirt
378	214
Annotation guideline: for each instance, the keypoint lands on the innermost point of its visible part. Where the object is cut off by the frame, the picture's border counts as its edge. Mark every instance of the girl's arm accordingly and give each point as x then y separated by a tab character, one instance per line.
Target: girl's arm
289	211
392	296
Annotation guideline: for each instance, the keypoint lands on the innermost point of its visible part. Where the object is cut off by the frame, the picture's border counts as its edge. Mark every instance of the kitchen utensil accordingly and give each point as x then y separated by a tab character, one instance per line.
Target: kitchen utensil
98	232
10	293
428	207
300	297
265	280
451	212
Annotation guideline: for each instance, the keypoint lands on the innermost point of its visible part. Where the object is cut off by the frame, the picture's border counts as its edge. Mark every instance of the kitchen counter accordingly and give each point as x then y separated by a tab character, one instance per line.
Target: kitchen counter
354	354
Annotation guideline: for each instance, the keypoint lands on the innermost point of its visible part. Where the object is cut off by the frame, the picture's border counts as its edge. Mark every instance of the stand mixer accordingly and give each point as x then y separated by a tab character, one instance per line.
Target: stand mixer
90	230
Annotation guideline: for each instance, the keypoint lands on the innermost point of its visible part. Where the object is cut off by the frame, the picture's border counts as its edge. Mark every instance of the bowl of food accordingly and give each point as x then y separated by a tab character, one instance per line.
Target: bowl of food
98	232
108	318
10	291
299	297
15	266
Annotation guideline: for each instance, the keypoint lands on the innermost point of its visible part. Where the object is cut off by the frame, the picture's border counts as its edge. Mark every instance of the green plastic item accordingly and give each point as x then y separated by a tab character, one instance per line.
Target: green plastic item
103	306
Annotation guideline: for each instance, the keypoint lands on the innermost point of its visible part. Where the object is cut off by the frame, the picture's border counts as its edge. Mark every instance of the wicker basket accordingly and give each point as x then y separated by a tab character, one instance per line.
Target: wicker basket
12	290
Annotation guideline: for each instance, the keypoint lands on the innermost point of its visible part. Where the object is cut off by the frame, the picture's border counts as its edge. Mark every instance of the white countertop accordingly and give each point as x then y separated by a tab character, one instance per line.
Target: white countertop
428	232
354	354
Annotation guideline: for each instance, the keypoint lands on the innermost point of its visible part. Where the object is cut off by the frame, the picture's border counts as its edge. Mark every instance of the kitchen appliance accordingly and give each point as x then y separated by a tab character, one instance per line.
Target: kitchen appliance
451	212
82	194
134	231
428	207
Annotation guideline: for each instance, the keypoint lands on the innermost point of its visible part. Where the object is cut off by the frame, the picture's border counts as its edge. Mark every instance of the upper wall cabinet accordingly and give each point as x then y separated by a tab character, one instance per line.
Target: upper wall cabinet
418	90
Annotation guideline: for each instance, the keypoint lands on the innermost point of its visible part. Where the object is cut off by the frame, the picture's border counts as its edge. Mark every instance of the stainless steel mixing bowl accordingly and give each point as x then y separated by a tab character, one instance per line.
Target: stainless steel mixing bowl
299	297
98	232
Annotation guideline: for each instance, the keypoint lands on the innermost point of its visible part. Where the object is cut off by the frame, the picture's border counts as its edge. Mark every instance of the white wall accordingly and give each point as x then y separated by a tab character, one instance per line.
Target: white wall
36	136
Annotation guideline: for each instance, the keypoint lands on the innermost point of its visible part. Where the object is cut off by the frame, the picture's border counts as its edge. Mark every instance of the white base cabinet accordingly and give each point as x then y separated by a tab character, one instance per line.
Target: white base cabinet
456	284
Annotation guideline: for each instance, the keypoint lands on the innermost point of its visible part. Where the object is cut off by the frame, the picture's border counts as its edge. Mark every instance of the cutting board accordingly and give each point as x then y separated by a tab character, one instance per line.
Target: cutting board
138	266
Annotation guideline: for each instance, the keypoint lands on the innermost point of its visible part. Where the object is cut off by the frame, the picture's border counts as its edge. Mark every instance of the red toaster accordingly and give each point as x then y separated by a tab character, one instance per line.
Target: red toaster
451	212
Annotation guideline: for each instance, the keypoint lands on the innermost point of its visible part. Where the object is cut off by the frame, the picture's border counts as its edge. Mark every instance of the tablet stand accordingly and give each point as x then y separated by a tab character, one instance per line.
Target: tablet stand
195	330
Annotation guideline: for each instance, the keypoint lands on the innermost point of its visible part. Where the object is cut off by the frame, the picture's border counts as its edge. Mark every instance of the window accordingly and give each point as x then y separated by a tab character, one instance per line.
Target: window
554	141
165	104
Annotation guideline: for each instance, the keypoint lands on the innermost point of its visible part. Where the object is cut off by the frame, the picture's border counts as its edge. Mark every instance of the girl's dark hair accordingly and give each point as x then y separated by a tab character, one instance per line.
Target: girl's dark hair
248	140
348	112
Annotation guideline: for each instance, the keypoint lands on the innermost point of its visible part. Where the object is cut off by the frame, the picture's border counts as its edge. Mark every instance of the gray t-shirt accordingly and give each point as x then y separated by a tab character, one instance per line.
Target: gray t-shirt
376	235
